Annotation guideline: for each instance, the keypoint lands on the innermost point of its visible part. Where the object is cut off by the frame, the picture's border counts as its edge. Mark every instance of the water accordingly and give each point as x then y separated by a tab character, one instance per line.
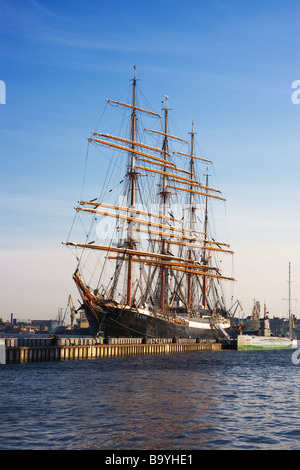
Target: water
206	400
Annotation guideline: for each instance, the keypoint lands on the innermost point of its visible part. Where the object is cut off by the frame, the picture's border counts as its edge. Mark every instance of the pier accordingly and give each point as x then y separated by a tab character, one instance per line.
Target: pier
24	350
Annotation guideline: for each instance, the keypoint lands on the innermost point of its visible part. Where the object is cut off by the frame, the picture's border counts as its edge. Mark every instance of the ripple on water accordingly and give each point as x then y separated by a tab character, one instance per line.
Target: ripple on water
219	400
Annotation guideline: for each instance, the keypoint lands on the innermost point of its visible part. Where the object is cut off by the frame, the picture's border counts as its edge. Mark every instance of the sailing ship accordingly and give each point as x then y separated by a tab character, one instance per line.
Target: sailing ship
159	271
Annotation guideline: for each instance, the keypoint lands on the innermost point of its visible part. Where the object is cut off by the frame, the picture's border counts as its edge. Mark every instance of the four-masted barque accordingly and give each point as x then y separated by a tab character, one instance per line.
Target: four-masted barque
158	272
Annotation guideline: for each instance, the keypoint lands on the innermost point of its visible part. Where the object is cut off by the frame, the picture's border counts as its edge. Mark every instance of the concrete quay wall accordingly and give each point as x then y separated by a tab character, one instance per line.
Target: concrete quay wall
64	349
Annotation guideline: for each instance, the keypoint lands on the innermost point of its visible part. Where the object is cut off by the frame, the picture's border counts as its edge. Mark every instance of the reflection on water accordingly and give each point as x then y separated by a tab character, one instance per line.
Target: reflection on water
207	400
162	405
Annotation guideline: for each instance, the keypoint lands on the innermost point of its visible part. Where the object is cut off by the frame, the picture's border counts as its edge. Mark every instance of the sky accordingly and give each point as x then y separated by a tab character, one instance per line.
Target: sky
228	65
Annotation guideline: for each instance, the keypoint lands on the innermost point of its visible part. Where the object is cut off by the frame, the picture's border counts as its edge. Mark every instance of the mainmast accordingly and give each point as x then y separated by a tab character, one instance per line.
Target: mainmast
132	177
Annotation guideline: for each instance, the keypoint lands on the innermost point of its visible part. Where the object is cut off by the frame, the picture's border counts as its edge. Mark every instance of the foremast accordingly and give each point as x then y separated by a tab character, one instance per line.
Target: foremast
132	177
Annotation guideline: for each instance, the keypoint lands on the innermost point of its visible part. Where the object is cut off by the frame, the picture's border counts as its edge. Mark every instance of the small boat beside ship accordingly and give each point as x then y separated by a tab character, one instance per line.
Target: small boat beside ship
256	334
251	342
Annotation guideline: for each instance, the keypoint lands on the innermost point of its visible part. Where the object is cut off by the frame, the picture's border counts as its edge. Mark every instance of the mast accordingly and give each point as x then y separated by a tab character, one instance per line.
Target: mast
189	294
205	260
291	320
290	317
164	196
132	177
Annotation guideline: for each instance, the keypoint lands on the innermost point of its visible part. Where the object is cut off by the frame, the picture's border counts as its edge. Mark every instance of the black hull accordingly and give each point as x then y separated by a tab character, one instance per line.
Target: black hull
108	318
117	322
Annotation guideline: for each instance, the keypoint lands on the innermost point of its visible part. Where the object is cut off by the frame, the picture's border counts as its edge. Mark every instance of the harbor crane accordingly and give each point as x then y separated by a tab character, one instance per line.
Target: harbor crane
72	310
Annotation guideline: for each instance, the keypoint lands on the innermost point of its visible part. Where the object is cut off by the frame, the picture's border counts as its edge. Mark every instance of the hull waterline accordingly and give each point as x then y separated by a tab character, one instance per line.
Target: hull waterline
112	319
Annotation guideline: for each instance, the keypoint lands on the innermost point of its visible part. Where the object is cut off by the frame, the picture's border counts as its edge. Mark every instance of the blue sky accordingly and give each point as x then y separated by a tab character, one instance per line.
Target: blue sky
227	65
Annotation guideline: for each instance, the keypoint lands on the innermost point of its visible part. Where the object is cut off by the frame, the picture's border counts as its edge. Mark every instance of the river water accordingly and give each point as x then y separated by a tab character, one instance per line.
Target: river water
191	401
